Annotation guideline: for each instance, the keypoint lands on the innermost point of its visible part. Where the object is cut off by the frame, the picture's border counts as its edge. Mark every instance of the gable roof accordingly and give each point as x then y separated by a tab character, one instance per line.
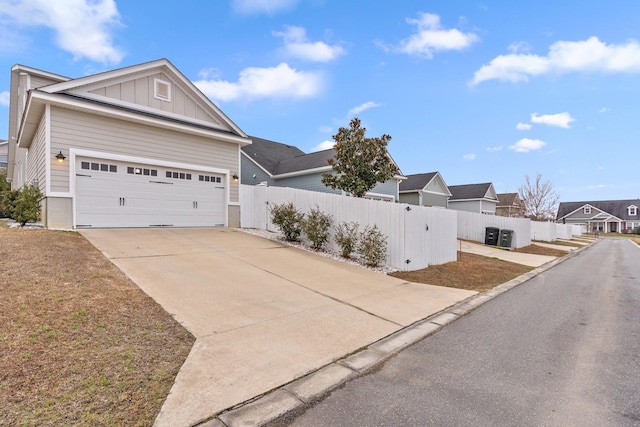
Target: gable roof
472	192
315	160
508	199
616	208
417	181
76	94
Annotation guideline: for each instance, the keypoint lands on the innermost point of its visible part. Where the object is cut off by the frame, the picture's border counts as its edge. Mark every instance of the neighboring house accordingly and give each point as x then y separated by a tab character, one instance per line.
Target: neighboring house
4	153
480	198
509	204
280	165
425	189
610	216
133	147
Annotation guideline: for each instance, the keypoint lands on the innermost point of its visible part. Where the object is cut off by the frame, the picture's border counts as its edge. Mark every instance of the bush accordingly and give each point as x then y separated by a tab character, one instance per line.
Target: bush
372	246
22	205
638	230
288	219
315	225
347	238
4	188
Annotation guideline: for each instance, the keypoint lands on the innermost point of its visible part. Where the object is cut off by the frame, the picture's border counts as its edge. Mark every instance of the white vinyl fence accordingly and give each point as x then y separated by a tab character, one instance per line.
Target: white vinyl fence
472	226
550	231
416	236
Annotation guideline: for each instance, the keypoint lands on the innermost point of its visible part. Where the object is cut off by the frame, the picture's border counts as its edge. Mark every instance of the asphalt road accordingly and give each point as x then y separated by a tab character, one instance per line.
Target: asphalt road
560	350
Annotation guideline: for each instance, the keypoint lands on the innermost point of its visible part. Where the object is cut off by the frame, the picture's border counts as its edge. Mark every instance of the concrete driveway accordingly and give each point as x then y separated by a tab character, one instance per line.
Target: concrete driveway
262	313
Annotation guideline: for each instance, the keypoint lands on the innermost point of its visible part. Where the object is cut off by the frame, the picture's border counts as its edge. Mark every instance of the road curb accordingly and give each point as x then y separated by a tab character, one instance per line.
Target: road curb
302	391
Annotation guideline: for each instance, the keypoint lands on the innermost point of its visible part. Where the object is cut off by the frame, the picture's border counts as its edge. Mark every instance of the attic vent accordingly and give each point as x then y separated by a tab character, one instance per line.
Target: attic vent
162	90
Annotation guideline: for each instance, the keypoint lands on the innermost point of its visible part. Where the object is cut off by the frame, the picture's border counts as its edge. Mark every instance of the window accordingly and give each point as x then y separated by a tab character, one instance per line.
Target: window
632	210
178	175
587	210
102	167
162	90
138	170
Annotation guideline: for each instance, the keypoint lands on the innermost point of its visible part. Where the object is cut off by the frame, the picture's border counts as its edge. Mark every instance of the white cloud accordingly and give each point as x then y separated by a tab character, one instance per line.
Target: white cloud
589	55
432	37
269	7
324	145
496	148
561	120
4	98
519	47
82	27
604	110
362	107
297	45
469	157
526	144
281	81
325	129
523	126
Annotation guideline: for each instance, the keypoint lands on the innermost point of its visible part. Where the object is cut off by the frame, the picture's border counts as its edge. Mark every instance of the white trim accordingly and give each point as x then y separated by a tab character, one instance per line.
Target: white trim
160	113
61	101
256	163
379	196
76	152
47	150
30	70
302	172
159	82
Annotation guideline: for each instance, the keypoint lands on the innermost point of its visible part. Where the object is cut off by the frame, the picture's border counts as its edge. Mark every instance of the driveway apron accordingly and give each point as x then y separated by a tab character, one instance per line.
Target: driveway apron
263	313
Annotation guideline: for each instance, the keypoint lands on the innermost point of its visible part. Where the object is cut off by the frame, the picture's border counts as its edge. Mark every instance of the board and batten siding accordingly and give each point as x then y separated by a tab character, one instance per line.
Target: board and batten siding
437	200
35	167
140	91
102	134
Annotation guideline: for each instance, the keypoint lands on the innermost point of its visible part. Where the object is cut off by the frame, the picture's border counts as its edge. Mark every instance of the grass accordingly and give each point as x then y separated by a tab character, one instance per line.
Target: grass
475	272
80	344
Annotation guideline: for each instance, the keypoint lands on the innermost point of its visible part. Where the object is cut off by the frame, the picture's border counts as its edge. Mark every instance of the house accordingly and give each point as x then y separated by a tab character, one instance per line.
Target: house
509	204
133	147
610	216
479	198
425	189
4	153
280	165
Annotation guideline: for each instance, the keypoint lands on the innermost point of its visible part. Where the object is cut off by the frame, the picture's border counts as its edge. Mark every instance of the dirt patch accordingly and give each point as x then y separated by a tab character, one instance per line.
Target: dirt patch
541	250
80	344
472	272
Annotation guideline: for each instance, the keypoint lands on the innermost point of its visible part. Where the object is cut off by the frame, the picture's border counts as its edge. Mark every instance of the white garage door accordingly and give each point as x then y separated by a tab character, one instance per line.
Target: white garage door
120	194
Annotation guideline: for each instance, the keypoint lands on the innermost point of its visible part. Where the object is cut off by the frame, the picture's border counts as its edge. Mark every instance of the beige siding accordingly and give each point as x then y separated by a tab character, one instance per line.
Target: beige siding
141	90
96	133
37	81
35	168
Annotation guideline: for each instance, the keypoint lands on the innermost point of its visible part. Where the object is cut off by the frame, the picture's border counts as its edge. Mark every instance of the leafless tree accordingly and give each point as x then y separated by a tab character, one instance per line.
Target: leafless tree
539	198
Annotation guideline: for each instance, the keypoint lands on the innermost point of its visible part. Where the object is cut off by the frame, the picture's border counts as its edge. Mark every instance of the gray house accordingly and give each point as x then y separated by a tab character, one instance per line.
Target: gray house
133	147
425	189
480	198
609	216
280	165
4	153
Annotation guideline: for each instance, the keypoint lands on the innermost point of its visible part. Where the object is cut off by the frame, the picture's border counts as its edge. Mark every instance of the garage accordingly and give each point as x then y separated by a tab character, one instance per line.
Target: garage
125	194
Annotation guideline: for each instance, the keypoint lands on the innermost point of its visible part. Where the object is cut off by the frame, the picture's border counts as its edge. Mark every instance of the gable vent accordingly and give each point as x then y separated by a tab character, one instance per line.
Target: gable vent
162	90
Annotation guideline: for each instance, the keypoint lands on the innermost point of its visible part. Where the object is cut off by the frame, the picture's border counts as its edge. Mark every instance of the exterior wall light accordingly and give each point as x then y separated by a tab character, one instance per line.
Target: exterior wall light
235	177
60	157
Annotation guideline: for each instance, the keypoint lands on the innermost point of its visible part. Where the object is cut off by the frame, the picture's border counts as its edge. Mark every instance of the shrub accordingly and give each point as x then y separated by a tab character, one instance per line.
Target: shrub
638	230
315	225
5	187
372	246
22	205
288	219
347	237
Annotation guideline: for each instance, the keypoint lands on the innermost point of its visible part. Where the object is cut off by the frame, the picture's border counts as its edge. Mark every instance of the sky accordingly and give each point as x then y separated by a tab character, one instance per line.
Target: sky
481	91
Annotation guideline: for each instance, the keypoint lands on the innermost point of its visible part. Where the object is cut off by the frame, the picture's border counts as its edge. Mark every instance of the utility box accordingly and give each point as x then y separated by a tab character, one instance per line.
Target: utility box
491	236
506	236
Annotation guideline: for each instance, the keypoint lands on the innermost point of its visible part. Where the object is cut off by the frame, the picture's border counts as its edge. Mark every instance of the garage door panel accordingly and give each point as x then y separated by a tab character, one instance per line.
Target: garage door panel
117	194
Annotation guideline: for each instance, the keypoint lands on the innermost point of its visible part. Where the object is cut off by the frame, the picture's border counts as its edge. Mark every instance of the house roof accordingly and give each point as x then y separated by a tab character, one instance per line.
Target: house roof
268	154
279	159
507	199
417	181
617	208
470	191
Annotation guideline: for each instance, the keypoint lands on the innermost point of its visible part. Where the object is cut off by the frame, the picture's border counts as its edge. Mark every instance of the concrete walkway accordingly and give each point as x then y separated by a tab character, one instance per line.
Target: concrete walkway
263	314
516	257
565	248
